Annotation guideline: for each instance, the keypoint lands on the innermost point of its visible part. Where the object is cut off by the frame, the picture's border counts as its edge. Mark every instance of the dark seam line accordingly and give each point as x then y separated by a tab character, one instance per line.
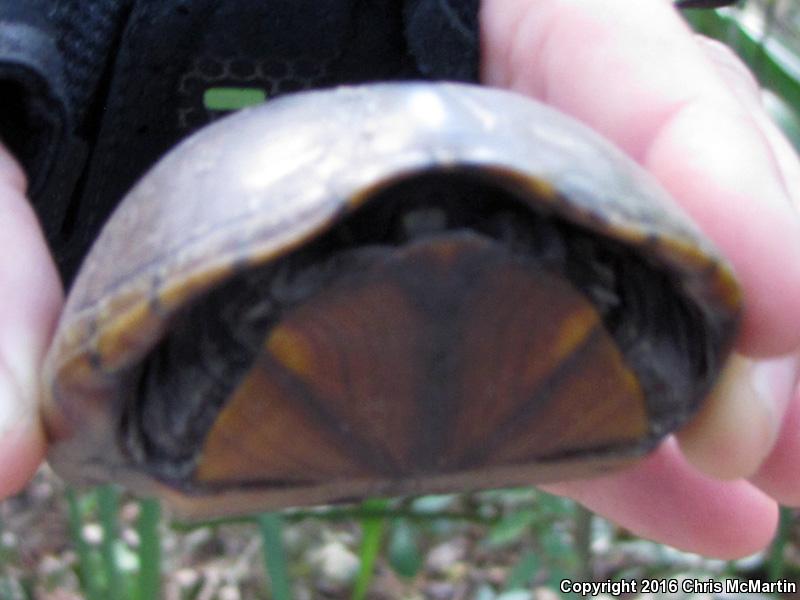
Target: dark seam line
360	449
541	398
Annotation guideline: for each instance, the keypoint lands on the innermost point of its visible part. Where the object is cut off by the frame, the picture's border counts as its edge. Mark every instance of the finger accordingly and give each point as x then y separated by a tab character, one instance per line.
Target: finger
31	300
632	71
738	425
664	499
744	85
778	474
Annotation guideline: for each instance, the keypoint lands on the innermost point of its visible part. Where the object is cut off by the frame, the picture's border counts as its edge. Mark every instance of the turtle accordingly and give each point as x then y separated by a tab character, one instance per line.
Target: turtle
383	289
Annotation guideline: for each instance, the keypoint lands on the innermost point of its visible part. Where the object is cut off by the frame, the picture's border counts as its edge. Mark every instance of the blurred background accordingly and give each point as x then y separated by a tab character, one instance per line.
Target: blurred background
516	544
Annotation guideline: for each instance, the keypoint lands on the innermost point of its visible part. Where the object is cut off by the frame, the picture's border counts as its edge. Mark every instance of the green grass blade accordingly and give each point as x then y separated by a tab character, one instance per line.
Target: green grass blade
86	575
271	527
149	550
372	534
583	543
403	552
108	506
523	572
765	56
776	561
787	118
511	528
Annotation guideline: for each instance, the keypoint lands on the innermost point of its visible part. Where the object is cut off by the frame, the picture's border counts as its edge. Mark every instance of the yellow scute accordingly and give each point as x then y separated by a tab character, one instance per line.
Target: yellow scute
574	330
291	349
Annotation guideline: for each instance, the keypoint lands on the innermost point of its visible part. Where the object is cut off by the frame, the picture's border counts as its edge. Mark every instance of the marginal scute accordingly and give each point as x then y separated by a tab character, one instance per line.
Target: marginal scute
134	329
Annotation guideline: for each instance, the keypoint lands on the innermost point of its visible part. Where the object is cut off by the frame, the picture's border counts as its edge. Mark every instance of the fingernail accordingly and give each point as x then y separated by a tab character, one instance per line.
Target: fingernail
12	411
739	422
22	443
774	382
735	73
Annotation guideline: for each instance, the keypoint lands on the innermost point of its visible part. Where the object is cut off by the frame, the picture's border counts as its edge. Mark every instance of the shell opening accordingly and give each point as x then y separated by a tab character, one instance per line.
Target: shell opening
192	373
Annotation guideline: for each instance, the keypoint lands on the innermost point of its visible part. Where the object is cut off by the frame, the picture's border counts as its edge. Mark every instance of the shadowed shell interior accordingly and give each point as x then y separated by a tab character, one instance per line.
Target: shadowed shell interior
193	372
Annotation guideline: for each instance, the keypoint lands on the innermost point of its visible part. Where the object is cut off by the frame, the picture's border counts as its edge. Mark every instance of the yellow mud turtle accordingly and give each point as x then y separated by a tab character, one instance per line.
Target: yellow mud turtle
379	290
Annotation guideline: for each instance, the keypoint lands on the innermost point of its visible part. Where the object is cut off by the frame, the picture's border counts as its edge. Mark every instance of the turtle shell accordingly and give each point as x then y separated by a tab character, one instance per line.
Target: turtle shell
380	290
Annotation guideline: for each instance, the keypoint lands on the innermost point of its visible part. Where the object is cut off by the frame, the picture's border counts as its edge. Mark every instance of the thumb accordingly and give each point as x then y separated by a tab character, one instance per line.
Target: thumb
30	301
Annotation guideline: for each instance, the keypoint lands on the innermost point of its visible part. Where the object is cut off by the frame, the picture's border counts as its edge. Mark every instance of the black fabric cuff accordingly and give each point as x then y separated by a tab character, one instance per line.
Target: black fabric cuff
443	38
34	115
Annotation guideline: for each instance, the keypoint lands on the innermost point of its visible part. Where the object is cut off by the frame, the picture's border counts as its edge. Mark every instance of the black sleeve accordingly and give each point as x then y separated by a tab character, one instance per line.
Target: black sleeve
443	38
95	91
53	55
34	112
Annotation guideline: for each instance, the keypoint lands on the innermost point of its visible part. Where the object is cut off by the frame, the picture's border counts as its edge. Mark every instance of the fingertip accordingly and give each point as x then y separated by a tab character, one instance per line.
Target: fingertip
32	297
664	499
22	450
738	424
778	475
22	438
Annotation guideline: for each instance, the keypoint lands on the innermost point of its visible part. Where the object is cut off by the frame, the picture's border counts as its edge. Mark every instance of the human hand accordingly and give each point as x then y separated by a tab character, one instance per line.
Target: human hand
690	113
29	304
691	116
